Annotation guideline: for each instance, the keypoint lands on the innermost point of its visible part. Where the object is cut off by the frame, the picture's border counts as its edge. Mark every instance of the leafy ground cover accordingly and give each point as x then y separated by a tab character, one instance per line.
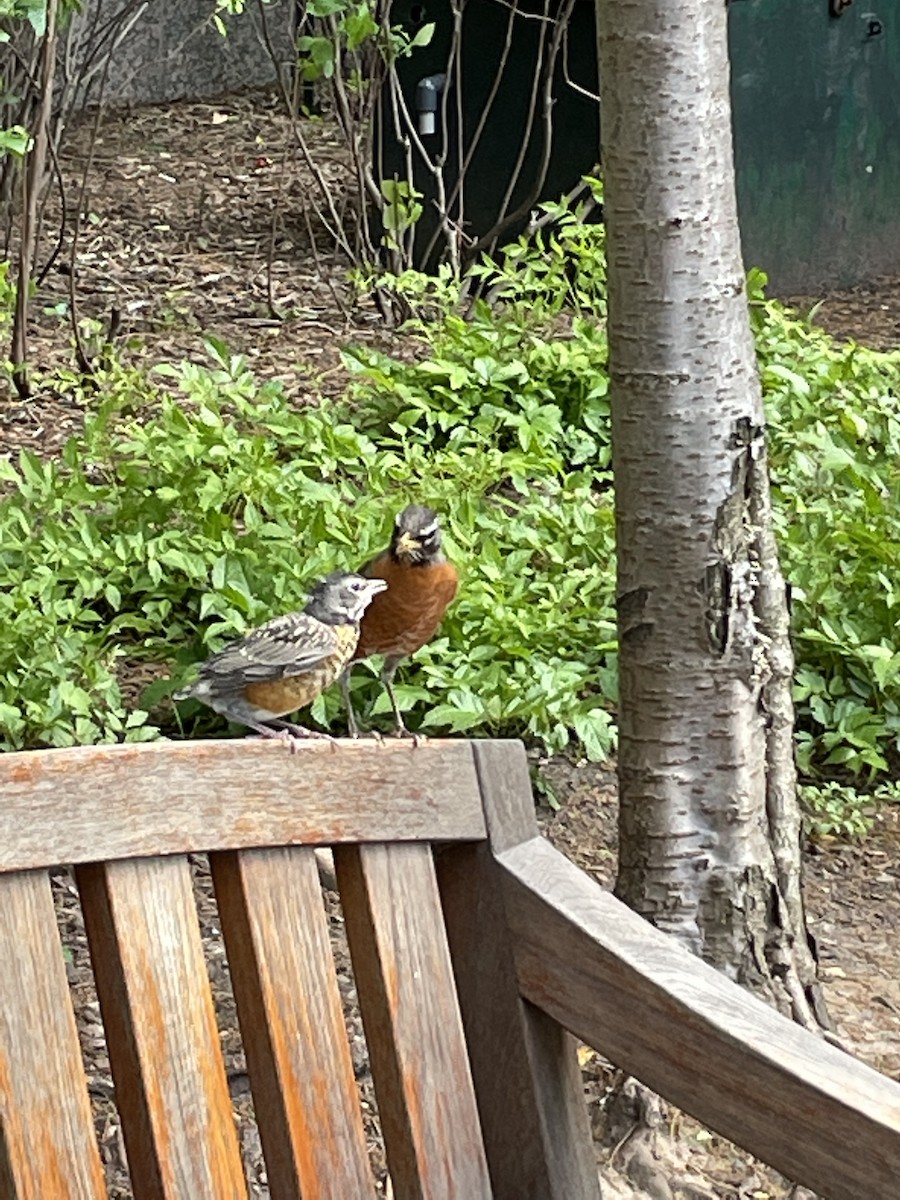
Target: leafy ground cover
200	499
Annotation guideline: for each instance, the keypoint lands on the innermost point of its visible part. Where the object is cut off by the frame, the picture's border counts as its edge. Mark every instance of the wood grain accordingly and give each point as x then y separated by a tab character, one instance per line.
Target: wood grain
106	802
164	1049
527	1082
813	1112
530	1094
411	1017
505	784
292	1024
47	1141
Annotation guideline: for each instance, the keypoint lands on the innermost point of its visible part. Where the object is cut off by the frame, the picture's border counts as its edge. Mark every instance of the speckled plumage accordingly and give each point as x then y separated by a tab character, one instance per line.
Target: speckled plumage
286	663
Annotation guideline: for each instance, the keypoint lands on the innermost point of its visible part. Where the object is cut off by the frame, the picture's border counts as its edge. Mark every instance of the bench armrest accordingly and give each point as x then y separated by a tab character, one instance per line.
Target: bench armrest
818	1115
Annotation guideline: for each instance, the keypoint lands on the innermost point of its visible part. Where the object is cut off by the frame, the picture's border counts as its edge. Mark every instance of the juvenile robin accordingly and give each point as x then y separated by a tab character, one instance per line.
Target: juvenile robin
421	585
286	663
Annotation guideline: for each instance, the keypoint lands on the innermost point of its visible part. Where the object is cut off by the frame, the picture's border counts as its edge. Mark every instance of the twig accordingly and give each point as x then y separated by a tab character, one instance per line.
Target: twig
332	224
84	363
399	102
465	155
505	222
576	87
32	180
34	89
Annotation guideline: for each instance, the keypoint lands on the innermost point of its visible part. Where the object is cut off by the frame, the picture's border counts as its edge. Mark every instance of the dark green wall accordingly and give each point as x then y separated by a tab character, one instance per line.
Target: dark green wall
816	103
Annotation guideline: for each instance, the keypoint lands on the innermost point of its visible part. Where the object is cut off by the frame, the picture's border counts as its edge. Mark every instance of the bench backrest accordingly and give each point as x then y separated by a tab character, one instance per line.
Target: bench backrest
126	819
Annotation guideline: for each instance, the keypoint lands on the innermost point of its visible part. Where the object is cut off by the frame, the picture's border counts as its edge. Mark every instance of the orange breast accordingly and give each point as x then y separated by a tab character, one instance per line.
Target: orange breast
406	616
282	696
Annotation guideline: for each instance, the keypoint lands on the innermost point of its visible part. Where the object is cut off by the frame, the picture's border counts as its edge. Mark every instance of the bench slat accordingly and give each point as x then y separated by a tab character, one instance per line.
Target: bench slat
164	1049
530	1094
410	1012
97	803
292	1025
47	1142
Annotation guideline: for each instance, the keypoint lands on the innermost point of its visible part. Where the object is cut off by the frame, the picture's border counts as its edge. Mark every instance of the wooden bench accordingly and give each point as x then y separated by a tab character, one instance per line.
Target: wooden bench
475	948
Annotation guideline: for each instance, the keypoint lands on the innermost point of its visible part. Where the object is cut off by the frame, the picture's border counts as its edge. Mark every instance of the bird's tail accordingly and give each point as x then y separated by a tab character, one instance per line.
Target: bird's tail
198	690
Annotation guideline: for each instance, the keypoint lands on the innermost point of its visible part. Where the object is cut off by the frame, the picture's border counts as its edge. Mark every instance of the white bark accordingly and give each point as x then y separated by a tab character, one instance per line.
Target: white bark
696	852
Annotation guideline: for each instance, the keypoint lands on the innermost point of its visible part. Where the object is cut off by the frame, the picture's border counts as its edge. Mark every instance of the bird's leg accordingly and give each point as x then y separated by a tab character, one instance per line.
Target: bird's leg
388	672
353	726
387	677
265	731
352	723
281	735
286	732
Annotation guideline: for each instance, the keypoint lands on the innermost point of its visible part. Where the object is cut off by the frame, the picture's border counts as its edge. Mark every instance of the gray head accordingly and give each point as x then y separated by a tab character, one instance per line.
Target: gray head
341	598
416	539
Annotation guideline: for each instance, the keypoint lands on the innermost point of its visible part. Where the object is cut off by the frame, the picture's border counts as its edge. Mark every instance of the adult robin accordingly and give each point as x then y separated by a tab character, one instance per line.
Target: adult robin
284	664
421	585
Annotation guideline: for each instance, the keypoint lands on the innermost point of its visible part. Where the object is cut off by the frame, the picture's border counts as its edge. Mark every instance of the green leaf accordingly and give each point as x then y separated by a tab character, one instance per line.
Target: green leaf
423	35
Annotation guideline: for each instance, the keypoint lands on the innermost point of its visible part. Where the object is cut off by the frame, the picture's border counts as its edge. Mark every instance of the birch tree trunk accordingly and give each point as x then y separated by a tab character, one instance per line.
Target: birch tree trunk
709	819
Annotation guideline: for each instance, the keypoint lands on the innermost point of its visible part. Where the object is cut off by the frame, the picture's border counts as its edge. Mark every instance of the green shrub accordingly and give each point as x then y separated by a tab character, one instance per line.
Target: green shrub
834	442
189	511
833	809
174	524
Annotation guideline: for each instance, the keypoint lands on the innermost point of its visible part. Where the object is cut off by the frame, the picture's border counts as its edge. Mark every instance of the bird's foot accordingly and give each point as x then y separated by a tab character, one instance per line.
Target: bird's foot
357	734
263	731
417	739
299	733
279	735
355	731
294	735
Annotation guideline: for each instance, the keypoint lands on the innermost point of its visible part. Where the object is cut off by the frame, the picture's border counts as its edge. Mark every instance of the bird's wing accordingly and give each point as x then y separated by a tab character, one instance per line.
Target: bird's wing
289	645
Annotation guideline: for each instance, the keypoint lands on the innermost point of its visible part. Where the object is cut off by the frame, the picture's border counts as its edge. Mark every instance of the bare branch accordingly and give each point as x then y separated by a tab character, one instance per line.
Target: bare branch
32	183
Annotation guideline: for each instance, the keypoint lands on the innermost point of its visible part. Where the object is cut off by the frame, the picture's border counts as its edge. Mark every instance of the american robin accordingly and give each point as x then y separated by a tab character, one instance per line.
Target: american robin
285	663
421	584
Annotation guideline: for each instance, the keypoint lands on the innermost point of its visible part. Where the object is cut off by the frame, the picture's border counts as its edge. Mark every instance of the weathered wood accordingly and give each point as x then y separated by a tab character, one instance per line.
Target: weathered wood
292	1025
526	923
106	802
164	1050
47	1143
506	793
527	1082
813	1112
410	1013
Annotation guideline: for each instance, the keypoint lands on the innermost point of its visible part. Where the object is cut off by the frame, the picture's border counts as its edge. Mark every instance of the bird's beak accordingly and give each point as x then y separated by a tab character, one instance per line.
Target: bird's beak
406	543
376	586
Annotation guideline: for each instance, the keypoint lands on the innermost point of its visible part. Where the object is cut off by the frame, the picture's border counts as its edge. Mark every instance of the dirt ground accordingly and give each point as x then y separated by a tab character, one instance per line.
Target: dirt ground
192	225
